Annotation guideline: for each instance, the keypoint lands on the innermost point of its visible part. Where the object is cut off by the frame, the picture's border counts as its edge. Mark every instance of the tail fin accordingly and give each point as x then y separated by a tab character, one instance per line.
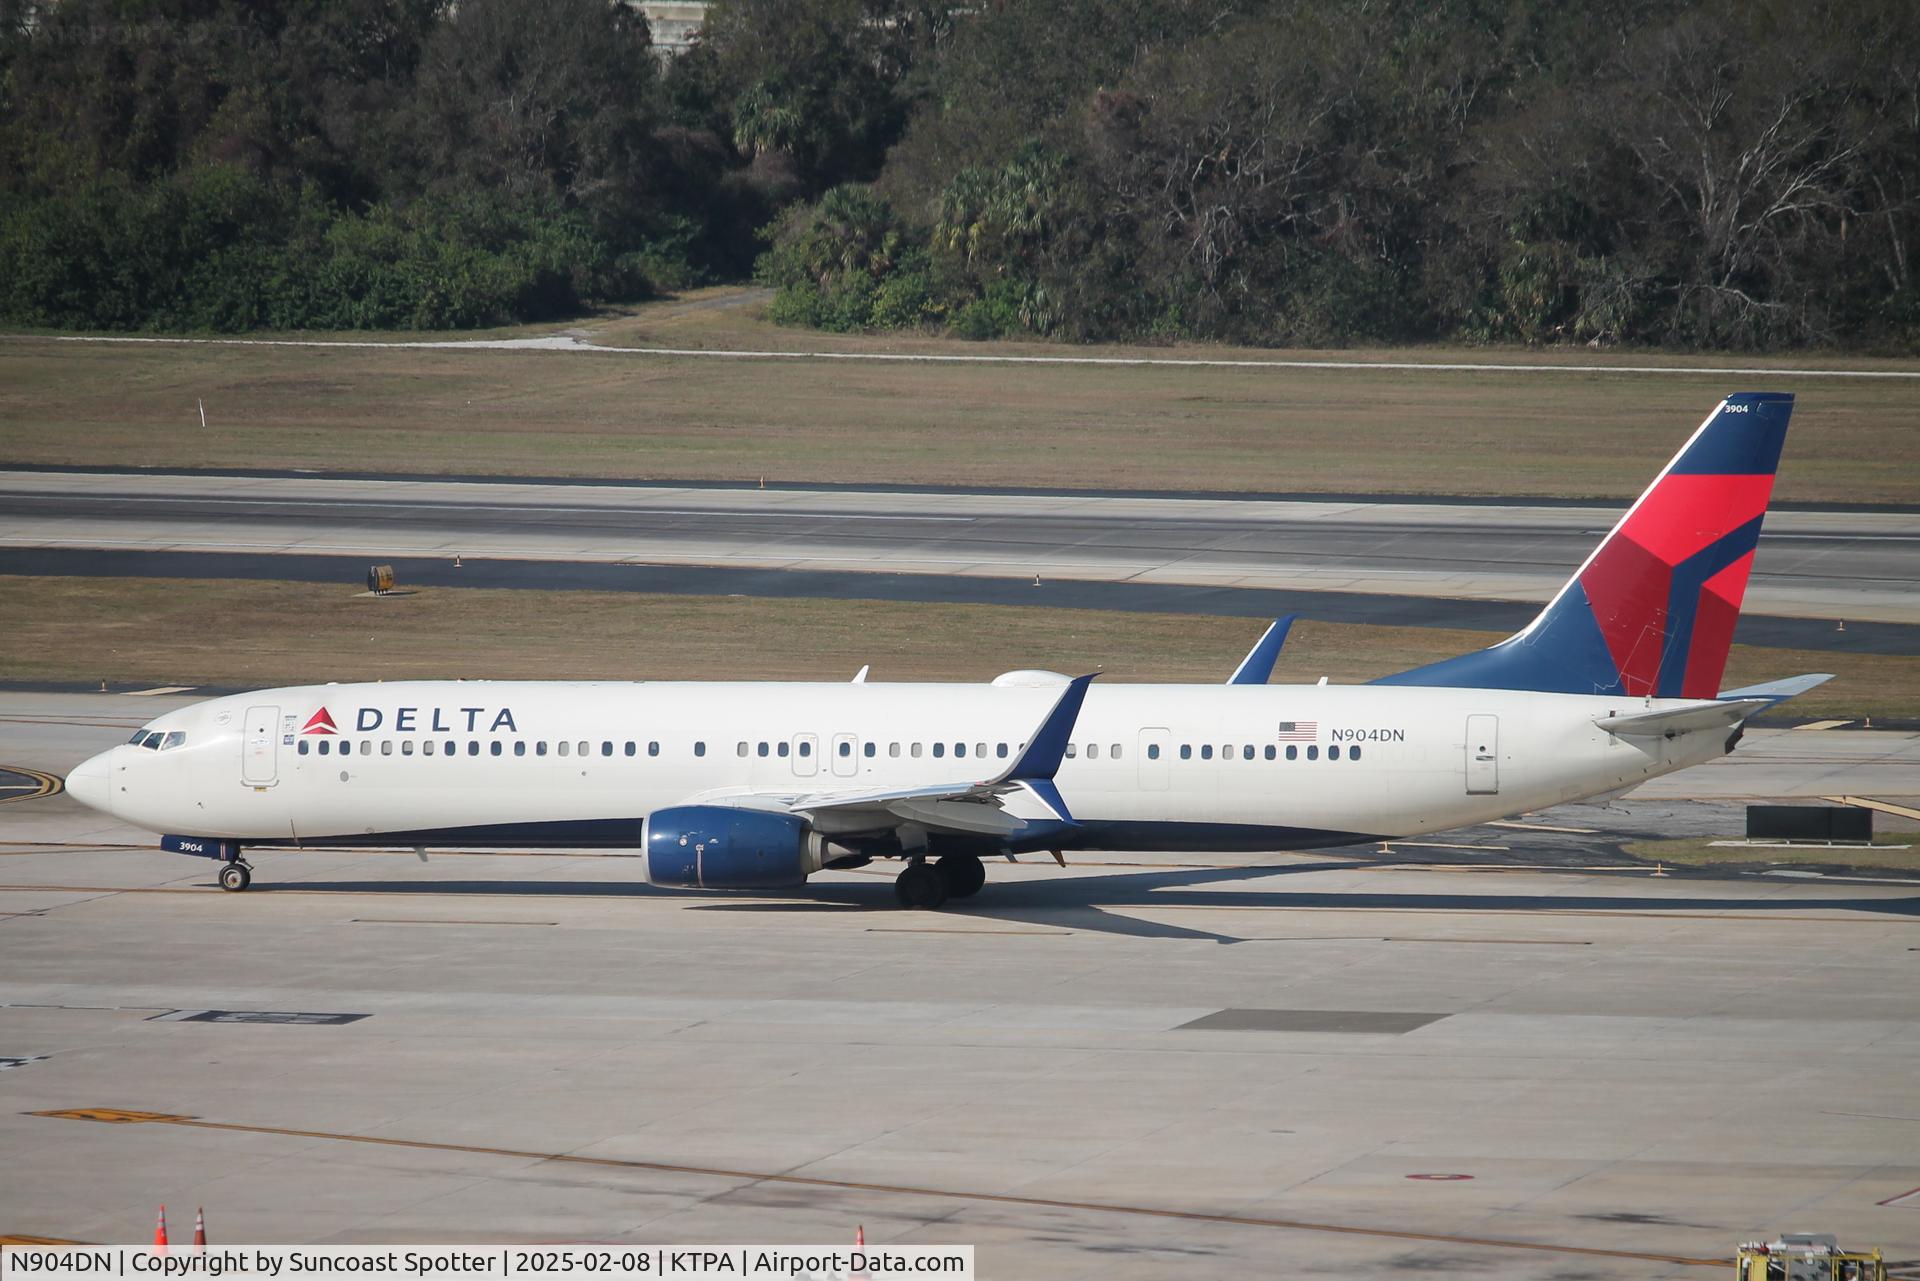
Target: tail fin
1652	611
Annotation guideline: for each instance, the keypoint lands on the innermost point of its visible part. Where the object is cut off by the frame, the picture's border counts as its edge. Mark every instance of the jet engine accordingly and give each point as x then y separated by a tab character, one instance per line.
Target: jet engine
718	847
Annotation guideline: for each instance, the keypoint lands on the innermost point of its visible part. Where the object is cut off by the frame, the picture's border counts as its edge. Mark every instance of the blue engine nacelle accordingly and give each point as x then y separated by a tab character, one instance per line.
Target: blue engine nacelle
717	847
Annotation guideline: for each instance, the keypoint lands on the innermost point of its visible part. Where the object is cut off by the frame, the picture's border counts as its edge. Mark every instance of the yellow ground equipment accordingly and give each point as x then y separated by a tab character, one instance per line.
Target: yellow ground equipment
1806	1256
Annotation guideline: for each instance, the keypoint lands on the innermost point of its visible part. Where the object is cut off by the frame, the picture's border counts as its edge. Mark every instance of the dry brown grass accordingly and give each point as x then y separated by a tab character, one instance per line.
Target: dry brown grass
536	413
190	632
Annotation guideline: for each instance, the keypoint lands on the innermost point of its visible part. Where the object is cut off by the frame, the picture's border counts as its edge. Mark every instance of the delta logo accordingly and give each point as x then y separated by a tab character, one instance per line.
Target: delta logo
321	722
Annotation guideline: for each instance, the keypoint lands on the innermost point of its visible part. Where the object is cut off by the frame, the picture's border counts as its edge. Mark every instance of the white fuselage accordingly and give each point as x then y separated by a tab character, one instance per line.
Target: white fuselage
1152	766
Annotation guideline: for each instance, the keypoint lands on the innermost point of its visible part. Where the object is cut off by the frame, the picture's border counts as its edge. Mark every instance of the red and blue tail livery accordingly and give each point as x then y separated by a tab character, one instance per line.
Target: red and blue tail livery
1652	611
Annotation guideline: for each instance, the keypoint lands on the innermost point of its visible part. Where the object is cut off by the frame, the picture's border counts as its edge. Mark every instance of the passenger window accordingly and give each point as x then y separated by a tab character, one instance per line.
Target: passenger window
473	748
346	747
1270	752
1313	753
1093	751
1115	753
453	748
303	747
540	748
1153	751
846	749
1186	751
1246	753
872	750
564	748
426	748
386	746
631	747
606	749
741	749
519	749
325	744
1353	753
939	750
893	749
1206	751
406	747
494	747
1293	753
914	751
1000	750
806	748
959	749
1333	753
1073	750
653	749
584	749
762	750
699	749
780	748
979	749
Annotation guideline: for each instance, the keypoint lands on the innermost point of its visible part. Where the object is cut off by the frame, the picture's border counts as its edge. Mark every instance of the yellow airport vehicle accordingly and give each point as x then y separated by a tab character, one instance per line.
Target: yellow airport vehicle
1806	1256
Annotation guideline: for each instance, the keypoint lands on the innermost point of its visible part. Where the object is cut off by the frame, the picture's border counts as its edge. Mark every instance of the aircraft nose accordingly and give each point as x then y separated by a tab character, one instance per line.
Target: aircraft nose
90	783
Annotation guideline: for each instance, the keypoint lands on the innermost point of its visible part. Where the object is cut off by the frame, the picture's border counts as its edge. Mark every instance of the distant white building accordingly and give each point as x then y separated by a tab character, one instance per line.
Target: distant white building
674	23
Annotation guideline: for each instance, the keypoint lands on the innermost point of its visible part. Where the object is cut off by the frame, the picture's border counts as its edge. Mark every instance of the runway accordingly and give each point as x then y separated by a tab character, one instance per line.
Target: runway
1521	1066
1854	566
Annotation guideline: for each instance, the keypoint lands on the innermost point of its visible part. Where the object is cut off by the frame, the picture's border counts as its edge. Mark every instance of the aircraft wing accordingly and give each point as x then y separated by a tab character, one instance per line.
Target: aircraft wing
1009	803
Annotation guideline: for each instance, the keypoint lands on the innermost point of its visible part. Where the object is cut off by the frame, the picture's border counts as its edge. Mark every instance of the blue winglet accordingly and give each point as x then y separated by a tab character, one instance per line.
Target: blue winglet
1257	667
1050	797
1042	758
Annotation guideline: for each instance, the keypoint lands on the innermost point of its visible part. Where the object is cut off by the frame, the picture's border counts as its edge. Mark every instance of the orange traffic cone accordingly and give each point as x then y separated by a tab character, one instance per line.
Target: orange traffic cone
160	1232
200	1231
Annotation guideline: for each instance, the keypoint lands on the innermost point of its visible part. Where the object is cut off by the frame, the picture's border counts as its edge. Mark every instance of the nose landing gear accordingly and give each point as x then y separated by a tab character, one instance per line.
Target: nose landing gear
927	887
236	876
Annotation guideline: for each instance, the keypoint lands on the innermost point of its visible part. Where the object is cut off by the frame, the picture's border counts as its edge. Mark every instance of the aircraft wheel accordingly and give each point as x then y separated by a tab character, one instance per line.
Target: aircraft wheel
920	886
964	874
236	877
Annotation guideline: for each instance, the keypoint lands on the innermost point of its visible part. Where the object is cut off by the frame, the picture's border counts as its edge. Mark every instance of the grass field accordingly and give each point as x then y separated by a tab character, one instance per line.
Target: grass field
1889	849
403	409
192	632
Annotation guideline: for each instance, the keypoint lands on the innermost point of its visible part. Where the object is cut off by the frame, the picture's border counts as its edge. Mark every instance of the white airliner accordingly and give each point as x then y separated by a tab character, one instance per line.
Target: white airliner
757	786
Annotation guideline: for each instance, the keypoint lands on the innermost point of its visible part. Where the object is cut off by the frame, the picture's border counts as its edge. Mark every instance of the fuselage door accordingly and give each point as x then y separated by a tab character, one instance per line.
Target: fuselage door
846	755
259	747
1483	755
1155	745
805	755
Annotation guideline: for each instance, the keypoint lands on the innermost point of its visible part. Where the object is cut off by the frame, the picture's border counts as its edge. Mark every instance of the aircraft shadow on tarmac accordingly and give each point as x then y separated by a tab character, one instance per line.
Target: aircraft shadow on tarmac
1082	902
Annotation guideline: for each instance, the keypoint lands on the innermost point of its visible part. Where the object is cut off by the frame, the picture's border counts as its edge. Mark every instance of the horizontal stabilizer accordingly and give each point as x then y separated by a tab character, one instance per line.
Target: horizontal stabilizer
1257	667
1681	720
1781	691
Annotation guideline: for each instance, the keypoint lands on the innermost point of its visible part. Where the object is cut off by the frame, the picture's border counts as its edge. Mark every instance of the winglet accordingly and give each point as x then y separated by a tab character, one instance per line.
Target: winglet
1048	745
1257	667
1782	690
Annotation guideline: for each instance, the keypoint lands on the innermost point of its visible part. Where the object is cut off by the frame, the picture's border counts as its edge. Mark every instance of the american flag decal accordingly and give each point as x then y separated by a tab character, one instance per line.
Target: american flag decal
1299	731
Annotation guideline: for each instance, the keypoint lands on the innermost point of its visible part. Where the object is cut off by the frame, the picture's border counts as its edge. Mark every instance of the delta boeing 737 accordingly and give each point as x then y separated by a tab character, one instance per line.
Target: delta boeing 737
760	785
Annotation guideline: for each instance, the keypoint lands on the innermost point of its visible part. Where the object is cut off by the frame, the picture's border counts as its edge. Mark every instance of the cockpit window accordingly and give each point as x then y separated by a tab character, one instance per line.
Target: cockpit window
174	739
139	737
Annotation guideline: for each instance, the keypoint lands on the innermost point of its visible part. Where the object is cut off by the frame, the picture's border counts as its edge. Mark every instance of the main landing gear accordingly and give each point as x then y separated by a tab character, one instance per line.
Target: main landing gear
236	876
927	886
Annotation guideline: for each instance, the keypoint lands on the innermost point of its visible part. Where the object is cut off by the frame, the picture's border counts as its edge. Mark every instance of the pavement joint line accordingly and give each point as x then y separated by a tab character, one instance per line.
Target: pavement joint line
129	1117
420	888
